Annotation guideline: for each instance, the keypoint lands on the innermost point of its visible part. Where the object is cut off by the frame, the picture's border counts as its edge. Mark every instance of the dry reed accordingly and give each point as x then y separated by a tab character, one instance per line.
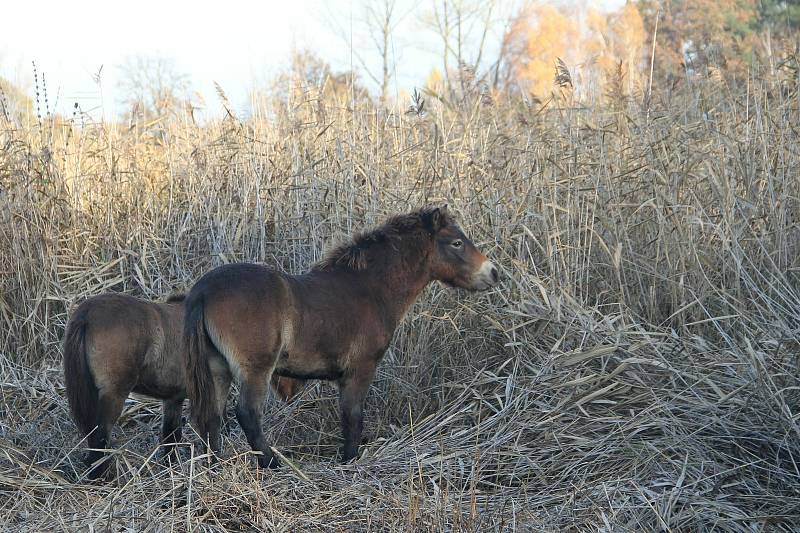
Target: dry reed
637	370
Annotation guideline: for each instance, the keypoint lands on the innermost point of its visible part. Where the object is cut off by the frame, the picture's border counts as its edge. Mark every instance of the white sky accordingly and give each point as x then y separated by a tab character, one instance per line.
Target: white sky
239	44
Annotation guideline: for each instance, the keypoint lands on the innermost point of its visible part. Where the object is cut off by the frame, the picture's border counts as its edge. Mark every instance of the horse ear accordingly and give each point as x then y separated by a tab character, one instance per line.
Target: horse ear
436	219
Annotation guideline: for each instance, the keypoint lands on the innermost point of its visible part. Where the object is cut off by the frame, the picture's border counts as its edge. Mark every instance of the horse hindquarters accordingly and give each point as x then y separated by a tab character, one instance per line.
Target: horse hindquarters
207	373
238	314
94	406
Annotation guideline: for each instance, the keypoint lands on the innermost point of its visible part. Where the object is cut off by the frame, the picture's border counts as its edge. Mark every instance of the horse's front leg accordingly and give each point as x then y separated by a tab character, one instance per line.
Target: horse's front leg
353	388
171	426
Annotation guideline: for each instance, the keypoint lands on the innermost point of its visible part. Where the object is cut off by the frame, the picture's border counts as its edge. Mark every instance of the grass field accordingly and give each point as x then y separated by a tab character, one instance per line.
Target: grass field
637	370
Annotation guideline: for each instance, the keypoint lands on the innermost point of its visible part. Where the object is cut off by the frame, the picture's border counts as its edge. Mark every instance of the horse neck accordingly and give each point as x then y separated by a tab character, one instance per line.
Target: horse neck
400	281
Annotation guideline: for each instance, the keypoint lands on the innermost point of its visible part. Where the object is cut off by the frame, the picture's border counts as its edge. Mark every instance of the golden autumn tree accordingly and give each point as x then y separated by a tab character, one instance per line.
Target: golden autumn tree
545	35
596	55
627	37
435	81
694	34
592	43
14	102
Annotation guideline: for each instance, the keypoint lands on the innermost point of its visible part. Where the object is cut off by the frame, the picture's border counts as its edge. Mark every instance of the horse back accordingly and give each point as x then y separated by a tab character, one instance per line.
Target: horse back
318	325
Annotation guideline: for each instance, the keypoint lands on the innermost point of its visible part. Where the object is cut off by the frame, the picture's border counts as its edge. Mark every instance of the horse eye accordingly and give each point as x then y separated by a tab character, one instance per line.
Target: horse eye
457	243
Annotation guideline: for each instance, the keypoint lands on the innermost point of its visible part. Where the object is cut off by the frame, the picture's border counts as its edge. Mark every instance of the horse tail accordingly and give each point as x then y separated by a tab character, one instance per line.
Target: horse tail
82	393
200	386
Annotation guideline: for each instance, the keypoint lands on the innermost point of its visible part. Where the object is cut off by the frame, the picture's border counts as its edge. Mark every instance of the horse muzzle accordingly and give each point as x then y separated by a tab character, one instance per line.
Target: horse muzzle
486	277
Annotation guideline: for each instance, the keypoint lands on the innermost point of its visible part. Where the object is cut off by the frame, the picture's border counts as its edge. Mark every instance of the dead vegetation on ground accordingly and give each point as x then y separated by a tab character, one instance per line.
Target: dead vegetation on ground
636	371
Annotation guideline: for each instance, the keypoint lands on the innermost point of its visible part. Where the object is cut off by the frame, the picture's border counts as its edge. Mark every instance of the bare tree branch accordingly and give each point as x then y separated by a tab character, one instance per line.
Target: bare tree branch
152	86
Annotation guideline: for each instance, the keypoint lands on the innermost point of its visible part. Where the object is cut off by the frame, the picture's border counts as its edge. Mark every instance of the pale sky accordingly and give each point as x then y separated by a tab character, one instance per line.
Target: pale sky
239	44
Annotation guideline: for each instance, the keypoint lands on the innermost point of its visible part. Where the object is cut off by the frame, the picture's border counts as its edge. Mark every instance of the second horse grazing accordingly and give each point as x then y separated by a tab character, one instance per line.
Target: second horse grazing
334	322
116	344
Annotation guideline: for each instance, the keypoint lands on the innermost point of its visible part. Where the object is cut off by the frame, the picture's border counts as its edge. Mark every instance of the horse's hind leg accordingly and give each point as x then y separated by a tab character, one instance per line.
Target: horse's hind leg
171	425
253	392
109	409
221	375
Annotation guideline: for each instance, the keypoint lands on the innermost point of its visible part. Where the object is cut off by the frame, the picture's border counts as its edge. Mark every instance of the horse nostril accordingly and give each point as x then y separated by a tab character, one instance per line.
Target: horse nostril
495	275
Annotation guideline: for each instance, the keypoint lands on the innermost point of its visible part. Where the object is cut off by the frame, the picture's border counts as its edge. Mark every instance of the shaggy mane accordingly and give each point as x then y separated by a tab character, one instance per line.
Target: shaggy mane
176	297
354	254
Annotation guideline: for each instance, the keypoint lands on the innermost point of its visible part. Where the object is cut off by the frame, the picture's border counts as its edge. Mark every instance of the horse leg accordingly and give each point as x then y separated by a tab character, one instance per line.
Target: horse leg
253	392
221	375
352	393
222	386
171	424
287	389
110	407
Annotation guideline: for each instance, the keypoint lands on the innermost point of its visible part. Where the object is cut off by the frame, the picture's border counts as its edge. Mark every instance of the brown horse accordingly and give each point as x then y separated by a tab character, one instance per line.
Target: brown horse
334	322
117	344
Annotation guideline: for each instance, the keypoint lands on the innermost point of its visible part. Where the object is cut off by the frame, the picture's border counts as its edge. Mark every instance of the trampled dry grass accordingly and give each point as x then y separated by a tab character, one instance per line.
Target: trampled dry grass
637	370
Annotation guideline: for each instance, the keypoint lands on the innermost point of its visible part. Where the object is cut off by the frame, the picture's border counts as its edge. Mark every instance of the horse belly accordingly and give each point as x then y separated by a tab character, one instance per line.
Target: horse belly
162	375
160	391
300	364
162	382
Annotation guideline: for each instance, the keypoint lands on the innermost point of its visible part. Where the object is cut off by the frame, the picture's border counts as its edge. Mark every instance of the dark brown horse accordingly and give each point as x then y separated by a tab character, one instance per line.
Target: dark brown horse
117	344
334	322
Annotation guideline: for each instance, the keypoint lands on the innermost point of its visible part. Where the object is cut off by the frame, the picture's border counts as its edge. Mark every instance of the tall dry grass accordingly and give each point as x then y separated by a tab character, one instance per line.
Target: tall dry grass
637	370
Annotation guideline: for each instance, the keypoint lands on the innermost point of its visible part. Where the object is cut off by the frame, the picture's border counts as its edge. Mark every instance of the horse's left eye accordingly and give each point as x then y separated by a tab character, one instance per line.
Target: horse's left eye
457	243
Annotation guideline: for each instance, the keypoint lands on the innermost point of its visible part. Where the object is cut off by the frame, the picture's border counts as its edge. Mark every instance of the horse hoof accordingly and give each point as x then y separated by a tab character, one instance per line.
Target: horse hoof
169	457
270	462
98	472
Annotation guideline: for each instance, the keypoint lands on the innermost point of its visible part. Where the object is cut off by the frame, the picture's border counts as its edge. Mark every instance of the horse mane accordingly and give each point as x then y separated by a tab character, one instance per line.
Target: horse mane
176	297
355	254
